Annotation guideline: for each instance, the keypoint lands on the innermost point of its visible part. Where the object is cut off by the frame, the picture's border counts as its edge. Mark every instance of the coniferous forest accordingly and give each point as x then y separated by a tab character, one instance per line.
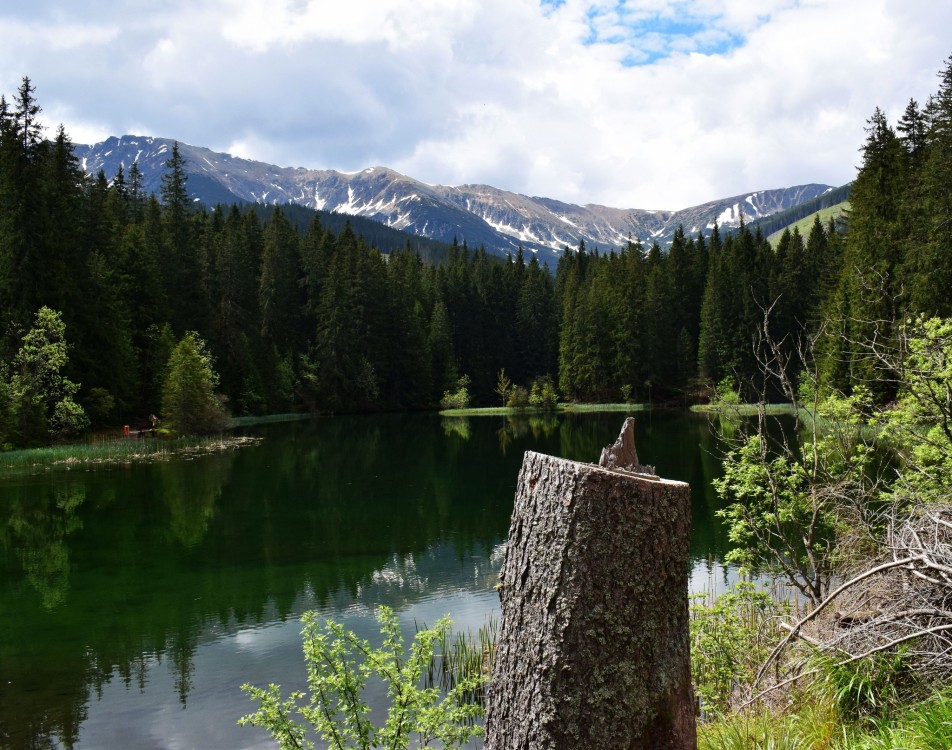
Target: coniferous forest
99	283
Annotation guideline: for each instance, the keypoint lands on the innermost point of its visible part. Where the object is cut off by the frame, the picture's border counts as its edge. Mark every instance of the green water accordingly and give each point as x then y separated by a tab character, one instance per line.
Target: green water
135	600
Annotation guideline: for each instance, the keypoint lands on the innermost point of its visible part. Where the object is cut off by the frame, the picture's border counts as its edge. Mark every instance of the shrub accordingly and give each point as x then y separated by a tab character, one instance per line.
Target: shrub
518	397
731	636
458	399
37	398
726	392
543	394
339	666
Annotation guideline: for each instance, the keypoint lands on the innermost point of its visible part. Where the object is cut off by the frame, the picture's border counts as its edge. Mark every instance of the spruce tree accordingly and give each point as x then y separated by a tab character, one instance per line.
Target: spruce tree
189	403
930	259
182	269
280	284
867	298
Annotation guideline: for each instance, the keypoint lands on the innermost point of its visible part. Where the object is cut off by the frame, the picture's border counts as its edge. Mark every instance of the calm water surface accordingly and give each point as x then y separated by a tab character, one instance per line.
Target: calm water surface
135	601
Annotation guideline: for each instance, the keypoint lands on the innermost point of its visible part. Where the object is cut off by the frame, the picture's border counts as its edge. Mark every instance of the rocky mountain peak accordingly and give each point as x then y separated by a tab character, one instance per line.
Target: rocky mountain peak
479	214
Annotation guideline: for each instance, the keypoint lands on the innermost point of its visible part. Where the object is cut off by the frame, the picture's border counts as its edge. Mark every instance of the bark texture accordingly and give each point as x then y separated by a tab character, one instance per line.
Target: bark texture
593	643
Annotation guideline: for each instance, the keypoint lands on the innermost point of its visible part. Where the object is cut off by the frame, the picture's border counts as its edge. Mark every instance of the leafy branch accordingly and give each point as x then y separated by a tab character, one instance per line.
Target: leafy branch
339	666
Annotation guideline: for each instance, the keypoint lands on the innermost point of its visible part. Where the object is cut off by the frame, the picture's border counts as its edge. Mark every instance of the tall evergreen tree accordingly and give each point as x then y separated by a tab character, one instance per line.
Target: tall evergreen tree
536	325
406	363
930	257
135	193
182	269
189	403
442	354
280	288
867	298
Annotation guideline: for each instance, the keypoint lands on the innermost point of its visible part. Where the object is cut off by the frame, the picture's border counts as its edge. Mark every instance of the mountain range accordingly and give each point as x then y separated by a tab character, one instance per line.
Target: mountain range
483	215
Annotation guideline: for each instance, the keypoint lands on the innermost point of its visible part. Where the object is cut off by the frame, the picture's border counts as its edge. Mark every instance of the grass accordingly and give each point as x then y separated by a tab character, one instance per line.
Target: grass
461	656
512	411
742	410
270	418
812	724
113	452
108	449
805	224
577	407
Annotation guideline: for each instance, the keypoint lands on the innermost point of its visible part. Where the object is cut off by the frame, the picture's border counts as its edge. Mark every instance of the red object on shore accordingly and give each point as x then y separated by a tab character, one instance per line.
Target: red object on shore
125	430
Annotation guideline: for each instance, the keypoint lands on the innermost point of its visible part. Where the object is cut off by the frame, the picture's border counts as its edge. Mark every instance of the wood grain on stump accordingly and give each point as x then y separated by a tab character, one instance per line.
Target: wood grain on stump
593	642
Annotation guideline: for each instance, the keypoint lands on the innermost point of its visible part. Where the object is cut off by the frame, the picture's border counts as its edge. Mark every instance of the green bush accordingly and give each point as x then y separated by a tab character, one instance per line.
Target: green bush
339	666
458	399
543	394
68	419
726	392
518	397
36	400
731	637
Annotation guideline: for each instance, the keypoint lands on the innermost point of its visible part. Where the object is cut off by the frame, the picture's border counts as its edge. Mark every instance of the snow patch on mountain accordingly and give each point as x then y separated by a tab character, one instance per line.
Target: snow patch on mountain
478	214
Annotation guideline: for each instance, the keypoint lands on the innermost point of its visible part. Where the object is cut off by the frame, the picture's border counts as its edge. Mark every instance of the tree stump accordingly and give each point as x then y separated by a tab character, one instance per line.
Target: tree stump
593	643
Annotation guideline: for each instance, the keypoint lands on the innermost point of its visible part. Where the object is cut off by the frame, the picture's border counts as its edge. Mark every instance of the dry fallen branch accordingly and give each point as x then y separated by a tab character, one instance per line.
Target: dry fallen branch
904	602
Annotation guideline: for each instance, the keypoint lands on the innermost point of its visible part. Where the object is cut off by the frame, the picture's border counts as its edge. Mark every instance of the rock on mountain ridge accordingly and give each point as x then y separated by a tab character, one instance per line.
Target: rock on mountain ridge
479	214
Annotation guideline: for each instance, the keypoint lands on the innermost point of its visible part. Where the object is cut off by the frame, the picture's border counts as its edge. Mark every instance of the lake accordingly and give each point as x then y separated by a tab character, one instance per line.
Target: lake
134	601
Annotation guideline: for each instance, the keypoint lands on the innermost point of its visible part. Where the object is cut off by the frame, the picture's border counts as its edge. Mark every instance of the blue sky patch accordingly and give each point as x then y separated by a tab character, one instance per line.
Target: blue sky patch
652	35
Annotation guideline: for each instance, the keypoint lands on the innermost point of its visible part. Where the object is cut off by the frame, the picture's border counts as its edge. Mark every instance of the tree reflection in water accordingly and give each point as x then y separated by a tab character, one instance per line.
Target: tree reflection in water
111	575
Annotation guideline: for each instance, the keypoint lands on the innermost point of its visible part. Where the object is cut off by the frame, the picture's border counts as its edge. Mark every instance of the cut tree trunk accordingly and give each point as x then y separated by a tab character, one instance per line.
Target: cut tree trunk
593	642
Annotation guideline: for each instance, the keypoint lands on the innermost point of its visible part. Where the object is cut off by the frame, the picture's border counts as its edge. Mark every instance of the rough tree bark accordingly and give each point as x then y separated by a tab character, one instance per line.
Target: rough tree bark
593	643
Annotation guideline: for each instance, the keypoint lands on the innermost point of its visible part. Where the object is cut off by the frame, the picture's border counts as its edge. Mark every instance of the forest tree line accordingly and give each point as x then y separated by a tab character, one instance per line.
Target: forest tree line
314	319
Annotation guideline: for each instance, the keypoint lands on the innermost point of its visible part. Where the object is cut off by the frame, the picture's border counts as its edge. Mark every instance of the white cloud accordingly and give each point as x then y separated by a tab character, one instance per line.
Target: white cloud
640	103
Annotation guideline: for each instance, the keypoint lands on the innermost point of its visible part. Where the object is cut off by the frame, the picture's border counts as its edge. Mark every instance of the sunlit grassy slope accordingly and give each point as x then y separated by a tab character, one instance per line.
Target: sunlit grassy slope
806	223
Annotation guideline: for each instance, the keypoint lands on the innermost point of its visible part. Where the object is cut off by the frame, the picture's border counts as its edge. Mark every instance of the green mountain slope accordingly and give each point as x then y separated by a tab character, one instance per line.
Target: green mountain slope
780	220
803	225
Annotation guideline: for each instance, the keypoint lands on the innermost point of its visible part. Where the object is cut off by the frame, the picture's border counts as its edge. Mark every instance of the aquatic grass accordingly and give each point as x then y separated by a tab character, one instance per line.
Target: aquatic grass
107	450
459	657
514	411
487	411
271	418
579	407
742	410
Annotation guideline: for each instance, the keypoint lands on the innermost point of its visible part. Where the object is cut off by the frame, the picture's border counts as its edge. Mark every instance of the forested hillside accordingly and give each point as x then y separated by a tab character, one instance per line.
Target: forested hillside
318	319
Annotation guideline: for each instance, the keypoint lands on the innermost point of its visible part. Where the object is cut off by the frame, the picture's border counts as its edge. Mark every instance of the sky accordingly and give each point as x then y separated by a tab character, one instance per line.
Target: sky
652	104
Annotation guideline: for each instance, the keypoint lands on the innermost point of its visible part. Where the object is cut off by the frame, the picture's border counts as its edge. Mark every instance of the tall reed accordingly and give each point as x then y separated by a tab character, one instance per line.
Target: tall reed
458	656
